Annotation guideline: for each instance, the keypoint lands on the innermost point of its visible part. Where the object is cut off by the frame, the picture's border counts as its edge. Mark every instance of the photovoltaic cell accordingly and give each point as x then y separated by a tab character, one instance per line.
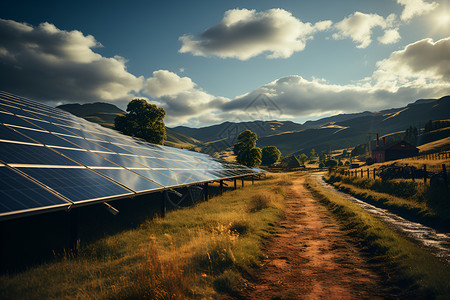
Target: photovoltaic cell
77	184
18	193
12	153
85	162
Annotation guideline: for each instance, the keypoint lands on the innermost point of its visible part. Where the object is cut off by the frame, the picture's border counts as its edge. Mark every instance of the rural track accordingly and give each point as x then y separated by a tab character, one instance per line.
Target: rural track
435	242
312	258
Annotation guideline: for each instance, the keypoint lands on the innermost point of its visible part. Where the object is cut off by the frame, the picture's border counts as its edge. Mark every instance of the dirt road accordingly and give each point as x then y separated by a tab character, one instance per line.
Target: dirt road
311	258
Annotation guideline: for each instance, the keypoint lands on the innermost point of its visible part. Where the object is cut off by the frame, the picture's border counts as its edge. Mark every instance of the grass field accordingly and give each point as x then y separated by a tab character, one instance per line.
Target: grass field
196	252
414	200
412	272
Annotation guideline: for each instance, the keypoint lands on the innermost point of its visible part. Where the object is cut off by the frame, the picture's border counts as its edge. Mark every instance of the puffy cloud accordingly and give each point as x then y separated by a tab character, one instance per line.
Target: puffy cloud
180	97
424	61
52	65
390	36
358	27
166	83
420	70
414	8
244	33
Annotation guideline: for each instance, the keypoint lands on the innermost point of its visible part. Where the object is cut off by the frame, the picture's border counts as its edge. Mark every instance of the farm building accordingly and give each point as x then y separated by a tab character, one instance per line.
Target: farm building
393	151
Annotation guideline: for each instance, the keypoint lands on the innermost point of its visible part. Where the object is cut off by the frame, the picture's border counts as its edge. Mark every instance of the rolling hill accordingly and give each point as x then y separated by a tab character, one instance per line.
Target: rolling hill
340	131
335	132
105	113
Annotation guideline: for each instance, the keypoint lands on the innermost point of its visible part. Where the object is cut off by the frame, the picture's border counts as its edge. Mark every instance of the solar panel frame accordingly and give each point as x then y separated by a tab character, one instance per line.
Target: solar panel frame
122	163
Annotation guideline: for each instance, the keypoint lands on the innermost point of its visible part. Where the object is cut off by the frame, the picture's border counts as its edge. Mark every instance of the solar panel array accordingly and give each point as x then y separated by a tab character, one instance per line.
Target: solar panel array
51	159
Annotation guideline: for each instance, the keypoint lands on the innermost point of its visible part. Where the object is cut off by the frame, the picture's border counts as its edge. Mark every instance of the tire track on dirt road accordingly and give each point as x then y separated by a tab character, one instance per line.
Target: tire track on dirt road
312	258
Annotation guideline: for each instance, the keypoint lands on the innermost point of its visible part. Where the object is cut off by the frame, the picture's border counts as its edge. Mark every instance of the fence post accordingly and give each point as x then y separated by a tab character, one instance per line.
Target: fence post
373	173
362	174
424	173
412	174
444	173
368	174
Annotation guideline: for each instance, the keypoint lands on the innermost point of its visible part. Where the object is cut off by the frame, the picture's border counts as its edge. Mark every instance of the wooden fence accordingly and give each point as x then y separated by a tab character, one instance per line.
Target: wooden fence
424	173
433	156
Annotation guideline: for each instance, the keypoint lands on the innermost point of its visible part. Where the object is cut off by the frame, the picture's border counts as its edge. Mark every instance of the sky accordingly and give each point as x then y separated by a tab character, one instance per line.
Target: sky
207	62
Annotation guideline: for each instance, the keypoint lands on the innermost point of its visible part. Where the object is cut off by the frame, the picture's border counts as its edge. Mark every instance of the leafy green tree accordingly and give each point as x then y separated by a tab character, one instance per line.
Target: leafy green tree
313	154
270	155
143	120
245	141
246	151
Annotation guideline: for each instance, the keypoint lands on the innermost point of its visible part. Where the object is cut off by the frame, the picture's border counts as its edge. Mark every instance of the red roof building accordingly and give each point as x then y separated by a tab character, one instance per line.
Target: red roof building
393	151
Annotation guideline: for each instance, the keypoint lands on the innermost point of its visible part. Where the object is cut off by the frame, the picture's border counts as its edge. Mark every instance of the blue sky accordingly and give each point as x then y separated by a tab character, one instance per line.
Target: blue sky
207	62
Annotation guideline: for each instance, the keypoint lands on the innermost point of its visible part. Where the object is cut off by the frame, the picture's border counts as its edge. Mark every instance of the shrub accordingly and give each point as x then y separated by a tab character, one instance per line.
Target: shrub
230	282
259	202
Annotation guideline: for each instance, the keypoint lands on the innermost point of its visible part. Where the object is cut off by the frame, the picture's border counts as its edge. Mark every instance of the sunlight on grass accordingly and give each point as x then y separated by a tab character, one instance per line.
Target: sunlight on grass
415	271
191	253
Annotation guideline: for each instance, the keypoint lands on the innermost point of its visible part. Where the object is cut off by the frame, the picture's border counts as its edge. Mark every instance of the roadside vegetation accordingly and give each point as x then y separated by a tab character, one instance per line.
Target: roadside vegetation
412	272
197	252
414	200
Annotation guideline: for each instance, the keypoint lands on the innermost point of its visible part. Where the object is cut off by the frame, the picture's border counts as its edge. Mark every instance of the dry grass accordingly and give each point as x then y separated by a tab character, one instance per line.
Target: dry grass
416	273
191	253
259	202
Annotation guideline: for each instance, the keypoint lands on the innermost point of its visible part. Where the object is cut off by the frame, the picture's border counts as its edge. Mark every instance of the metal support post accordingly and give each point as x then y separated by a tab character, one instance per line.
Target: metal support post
205	192
163	204
74	240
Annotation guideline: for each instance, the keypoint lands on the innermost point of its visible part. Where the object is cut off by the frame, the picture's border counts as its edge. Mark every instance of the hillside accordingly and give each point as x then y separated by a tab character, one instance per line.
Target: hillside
228	130
353	131
340	131
105	113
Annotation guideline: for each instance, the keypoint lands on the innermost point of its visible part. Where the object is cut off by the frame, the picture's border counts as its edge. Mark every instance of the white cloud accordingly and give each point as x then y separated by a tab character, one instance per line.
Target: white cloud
420	70
243	34
390	36
53	65
358	27
413	8
166	83
424	62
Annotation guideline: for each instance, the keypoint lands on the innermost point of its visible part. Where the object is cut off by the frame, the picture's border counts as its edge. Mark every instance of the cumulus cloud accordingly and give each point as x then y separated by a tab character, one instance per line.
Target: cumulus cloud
422	61
166	83
244	33
53	65
413	8
420	70
390	36
358	27
180	97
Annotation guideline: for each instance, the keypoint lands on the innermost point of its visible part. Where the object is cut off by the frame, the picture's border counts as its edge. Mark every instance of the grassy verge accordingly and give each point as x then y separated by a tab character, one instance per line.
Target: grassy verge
416	273
196	252
412	200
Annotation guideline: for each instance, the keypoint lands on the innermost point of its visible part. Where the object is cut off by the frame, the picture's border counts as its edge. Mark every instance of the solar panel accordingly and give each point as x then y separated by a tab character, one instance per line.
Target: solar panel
50	159
18	194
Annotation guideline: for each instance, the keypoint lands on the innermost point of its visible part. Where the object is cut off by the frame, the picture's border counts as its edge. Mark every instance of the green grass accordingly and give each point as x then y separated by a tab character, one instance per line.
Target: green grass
416	273
412	200
195	252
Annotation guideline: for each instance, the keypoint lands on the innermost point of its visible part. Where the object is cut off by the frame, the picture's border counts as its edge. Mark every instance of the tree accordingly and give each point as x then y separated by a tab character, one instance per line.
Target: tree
302	158
245	141
143	120
270	155
313	154
322	156
246	151
411	134
330	163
